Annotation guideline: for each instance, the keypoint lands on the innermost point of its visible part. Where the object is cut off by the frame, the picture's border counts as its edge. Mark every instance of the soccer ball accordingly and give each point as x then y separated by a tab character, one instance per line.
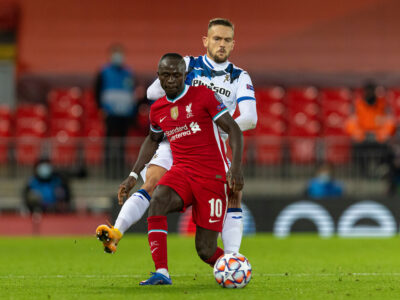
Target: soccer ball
232	271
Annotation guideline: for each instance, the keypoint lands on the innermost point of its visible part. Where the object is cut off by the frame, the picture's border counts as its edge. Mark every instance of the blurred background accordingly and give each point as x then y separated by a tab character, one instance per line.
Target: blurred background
327	82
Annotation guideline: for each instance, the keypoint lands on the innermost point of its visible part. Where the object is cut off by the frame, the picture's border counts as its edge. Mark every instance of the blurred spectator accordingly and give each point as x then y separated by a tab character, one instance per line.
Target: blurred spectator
323	185
46	190
372	120
370	127
115	96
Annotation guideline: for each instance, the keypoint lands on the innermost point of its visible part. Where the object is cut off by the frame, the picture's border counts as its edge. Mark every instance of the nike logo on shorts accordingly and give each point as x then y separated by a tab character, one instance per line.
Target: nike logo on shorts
213	221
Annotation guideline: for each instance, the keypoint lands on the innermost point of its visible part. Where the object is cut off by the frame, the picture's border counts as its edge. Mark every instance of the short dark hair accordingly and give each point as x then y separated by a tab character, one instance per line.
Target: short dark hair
220	21
172	55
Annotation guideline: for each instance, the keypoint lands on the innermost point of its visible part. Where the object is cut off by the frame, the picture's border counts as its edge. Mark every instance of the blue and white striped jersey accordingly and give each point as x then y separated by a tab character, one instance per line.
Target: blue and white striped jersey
229	82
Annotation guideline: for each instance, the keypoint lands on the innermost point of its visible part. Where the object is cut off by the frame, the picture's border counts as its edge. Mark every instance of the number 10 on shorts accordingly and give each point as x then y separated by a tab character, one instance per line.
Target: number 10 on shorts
215	207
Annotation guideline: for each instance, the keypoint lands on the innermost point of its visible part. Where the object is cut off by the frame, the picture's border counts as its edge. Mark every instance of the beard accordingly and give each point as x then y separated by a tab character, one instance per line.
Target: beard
218	59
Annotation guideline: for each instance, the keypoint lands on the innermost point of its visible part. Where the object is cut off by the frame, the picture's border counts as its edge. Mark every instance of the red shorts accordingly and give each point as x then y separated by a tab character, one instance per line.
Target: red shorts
208	197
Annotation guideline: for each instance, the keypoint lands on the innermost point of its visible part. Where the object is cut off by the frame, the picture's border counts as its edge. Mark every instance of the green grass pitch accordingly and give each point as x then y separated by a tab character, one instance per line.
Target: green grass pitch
299	267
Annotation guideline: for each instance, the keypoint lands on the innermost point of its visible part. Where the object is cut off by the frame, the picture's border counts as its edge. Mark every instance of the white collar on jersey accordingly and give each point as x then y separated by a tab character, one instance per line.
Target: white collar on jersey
183	93
213	65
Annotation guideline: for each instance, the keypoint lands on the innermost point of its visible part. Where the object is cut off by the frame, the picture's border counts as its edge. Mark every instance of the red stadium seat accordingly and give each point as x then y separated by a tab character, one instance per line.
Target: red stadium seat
268	149
5	132
304	123
93	144
336	108
64	149
303	150
134	140
393	97
271	126
27	149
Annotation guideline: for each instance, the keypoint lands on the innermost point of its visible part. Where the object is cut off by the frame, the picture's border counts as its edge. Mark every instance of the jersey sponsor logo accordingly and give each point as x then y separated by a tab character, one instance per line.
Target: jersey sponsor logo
213	87
189	112
195	127
174	112
212	221
176	130
162	119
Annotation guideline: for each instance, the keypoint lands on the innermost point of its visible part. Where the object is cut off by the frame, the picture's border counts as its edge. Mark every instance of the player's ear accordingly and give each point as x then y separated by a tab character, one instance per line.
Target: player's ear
205	41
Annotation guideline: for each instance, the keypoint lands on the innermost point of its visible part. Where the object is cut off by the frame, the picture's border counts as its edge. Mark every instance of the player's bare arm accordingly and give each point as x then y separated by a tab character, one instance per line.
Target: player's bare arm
146	152
234	175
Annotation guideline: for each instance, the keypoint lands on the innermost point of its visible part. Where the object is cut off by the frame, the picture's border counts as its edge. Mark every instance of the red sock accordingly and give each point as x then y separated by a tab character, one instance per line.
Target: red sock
157	235
211	261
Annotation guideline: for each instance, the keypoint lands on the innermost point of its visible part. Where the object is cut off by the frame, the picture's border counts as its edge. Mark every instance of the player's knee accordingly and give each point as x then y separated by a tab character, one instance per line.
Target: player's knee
153	176
158	206
149	186
205	250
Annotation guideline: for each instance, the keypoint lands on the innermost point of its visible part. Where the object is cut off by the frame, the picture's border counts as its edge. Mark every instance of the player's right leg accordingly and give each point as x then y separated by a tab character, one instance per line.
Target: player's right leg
131	212
136	205
206	245
165	200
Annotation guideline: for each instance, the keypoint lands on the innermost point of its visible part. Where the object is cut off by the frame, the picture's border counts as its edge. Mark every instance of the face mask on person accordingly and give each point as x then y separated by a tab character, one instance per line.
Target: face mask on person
44	170
117	59
324	177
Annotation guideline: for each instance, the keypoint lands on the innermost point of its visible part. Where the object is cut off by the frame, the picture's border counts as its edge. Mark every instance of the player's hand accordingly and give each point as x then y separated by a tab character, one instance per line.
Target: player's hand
124	189
235	179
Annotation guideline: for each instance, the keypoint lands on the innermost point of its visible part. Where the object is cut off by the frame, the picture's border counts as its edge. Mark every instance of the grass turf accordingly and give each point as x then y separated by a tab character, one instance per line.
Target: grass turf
300	267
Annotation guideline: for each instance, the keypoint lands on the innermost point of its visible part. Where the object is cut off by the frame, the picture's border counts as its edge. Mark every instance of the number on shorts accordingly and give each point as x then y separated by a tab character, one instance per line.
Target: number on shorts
216	207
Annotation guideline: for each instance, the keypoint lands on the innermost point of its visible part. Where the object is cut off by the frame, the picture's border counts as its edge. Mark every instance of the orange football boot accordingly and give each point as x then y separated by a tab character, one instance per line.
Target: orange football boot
110	237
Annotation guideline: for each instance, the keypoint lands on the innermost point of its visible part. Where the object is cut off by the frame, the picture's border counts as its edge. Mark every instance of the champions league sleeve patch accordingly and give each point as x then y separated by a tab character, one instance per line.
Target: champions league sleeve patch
221	107
250	87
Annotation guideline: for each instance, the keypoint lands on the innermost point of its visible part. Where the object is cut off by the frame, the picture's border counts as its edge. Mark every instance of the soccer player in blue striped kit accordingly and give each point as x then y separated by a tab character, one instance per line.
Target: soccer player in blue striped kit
233	87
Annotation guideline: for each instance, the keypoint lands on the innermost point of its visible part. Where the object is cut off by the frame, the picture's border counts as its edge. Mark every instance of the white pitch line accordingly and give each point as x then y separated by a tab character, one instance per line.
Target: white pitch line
190	275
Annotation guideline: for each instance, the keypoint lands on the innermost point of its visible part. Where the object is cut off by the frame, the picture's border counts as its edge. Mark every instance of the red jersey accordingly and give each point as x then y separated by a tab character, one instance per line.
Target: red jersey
188	123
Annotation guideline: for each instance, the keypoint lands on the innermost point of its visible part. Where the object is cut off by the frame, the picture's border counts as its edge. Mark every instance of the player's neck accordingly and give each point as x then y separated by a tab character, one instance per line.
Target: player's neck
214	65
178	95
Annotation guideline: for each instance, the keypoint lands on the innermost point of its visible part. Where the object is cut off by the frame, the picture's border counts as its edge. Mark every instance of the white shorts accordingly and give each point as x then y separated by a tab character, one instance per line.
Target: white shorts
162	158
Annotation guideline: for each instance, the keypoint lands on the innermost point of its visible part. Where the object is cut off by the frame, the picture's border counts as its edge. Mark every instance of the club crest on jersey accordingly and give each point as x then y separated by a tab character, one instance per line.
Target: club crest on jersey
174	112
227	78
189	112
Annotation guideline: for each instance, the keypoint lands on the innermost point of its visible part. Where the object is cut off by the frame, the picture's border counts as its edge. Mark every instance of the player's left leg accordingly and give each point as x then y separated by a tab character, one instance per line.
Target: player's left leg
164	200
206	245
232	231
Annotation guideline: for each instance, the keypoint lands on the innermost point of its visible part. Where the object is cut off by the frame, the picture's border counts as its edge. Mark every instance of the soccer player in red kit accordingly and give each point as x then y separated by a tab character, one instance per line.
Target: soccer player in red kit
200	175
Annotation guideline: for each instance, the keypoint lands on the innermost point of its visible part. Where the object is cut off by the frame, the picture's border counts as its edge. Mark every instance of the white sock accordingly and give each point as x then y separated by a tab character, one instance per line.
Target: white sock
233	230
132	210
163	271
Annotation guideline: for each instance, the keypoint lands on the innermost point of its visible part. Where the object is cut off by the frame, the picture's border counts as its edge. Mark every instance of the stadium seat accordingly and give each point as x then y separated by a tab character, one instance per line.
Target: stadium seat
336	108
5	132
271	126
393	97
93	143
28	149
30	129
304	123
134	140
64	148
